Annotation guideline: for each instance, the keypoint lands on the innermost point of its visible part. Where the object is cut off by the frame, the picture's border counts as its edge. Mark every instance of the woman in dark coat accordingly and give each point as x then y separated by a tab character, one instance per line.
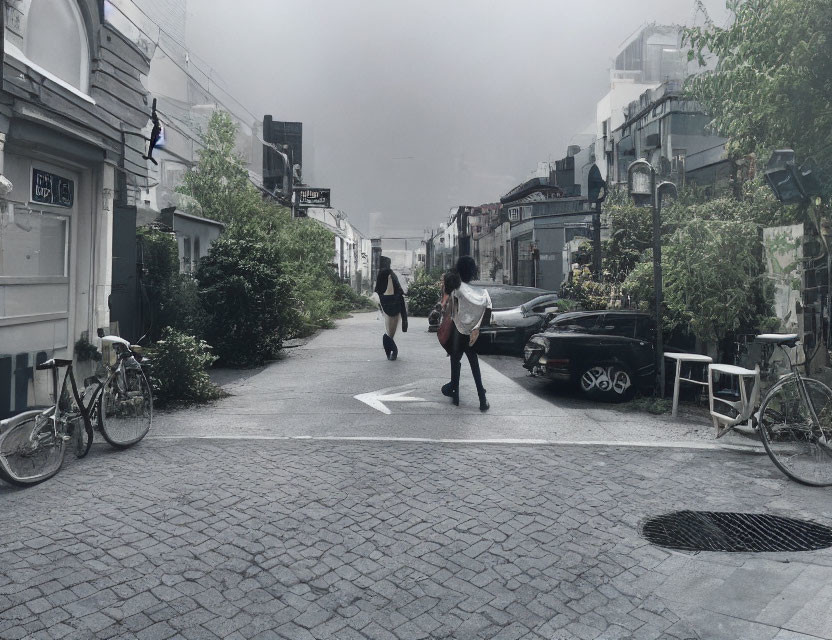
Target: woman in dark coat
468	308
391	302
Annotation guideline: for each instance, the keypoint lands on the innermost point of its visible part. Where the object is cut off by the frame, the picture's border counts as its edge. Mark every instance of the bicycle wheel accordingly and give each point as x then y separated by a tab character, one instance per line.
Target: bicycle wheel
799	448
30	452
125	414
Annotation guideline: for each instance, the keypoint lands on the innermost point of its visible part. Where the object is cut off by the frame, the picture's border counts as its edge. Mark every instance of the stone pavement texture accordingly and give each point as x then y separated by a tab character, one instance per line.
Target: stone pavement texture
382	541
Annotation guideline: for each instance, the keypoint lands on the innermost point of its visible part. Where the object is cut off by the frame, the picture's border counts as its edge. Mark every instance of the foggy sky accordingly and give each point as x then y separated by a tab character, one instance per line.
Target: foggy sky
410	108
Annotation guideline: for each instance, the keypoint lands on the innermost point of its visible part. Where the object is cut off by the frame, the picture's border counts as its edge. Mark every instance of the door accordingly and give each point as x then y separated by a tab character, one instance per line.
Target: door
124	298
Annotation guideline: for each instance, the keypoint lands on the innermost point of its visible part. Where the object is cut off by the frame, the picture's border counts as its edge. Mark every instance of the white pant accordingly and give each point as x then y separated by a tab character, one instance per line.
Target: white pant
391	323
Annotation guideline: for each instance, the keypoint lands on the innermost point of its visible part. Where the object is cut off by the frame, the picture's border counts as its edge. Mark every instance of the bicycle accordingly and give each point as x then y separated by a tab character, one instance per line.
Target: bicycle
794	419
119	406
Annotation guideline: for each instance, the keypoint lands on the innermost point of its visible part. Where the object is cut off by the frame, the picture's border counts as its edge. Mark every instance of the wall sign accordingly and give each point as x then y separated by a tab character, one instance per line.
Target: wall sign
311	197
48	188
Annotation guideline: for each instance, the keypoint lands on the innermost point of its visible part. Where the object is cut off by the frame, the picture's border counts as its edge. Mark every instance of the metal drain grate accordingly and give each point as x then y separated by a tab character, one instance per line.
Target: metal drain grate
726	531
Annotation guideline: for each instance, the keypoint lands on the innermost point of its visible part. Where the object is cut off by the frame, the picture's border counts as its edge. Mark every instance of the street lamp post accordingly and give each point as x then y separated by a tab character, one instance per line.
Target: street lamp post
641	182
596	193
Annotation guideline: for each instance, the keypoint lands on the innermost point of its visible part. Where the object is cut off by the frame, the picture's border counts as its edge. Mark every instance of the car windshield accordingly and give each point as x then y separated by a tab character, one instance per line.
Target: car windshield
502	298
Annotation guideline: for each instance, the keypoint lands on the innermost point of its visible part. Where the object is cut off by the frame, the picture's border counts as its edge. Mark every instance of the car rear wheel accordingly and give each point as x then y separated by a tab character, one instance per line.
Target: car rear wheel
610	382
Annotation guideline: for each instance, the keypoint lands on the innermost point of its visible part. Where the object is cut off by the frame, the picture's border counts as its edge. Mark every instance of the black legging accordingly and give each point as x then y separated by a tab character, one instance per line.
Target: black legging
461	345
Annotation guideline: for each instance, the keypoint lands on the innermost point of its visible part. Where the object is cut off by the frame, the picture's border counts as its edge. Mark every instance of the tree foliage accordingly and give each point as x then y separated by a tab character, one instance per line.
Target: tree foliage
220	181
772	83
714	281
303	248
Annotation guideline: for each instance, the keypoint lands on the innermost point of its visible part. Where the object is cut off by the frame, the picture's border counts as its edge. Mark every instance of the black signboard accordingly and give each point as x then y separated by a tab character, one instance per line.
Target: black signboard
310	197
48	188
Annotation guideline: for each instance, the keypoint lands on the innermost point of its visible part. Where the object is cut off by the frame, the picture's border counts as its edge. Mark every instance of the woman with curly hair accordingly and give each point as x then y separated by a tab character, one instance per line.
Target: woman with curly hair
469	306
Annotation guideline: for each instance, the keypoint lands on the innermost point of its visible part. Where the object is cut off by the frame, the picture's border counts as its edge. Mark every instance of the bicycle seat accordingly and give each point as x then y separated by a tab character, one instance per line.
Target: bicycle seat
52	364
782	339
115	340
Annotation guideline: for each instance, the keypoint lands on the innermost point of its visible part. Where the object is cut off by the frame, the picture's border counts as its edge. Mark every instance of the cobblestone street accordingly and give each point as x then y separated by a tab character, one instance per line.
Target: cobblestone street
304	539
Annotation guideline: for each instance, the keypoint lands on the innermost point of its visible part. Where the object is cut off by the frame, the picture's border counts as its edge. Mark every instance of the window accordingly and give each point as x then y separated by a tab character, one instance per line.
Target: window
186	254
620	325
56	40
689	124
197	255
583	324
514	214
173	173
33	243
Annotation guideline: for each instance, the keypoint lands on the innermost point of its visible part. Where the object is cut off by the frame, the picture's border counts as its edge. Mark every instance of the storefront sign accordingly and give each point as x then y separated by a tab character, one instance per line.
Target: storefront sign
48	188
312	197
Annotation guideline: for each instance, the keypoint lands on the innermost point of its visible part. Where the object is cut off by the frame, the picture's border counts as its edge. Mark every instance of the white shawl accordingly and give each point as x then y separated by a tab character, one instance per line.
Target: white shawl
470	305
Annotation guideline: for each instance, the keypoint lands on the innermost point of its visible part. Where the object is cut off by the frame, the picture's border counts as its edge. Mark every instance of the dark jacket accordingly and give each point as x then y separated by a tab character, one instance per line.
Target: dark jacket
394	304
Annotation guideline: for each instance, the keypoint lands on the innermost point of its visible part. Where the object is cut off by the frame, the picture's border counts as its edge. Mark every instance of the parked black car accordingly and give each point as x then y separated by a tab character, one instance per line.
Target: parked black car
608	354
517	314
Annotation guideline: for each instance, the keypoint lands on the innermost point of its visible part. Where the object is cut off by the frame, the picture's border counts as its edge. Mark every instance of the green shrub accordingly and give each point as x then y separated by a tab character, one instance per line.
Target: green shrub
423	293
242	283
161	268
85	350
179	369
588	294
345	299
171	297
185	311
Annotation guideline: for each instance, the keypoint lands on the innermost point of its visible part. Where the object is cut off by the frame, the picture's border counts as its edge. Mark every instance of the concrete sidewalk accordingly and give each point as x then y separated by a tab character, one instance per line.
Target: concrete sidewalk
311	392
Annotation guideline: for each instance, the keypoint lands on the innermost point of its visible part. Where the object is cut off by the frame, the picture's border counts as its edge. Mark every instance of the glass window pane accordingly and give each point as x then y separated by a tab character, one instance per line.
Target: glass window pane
56	40
32	244
186	253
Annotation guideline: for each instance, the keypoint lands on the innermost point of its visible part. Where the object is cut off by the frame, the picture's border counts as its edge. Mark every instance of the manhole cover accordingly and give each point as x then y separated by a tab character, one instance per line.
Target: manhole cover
726	531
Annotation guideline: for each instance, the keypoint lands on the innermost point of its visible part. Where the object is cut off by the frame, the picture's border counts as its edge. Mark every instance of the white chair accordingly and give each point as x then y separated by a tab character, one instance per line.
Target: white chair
744	407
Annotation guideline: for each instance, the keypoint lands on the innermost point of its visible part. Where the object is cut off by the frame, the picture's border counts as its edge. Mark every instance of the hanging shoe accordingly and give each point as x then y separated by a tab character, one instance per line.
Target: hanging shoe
484	406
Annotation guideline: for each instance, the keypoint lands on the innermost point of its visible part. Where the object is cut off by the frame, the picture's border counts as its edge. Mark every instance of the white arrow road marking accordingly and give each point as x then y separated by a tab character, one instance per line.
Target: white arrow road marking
376	399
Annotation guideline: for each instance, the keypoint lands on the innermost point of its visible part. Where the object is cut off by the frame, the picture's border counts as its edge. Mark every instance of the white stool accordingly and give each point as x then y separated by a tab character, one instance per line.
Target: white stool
744	406
680	358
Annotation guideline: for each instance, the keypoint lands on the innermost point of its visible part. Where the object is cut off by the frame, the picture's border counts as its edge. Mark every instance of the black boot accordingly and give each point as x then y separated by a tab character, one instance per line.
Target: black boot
484	406
386	342
453	385
394	350
449	391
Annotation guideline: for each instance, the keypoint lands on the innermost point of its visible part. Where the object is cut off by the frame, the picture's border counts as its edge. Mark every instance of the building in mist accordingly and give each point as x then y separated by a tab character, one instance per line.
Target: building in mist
650	56
187	93
72	111
282	158
671	132
545	214
491	246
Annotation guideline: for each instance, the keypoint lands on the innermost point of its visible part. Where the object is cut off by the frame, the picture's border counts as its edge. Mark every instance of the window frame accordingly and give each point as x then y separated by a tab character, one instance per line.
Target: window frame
83	87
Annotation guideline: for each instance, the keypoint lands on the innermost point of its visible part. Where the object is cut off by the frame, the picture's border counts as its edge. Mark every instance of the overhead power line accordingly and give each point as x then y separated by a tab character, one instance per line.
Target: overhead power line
157	41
